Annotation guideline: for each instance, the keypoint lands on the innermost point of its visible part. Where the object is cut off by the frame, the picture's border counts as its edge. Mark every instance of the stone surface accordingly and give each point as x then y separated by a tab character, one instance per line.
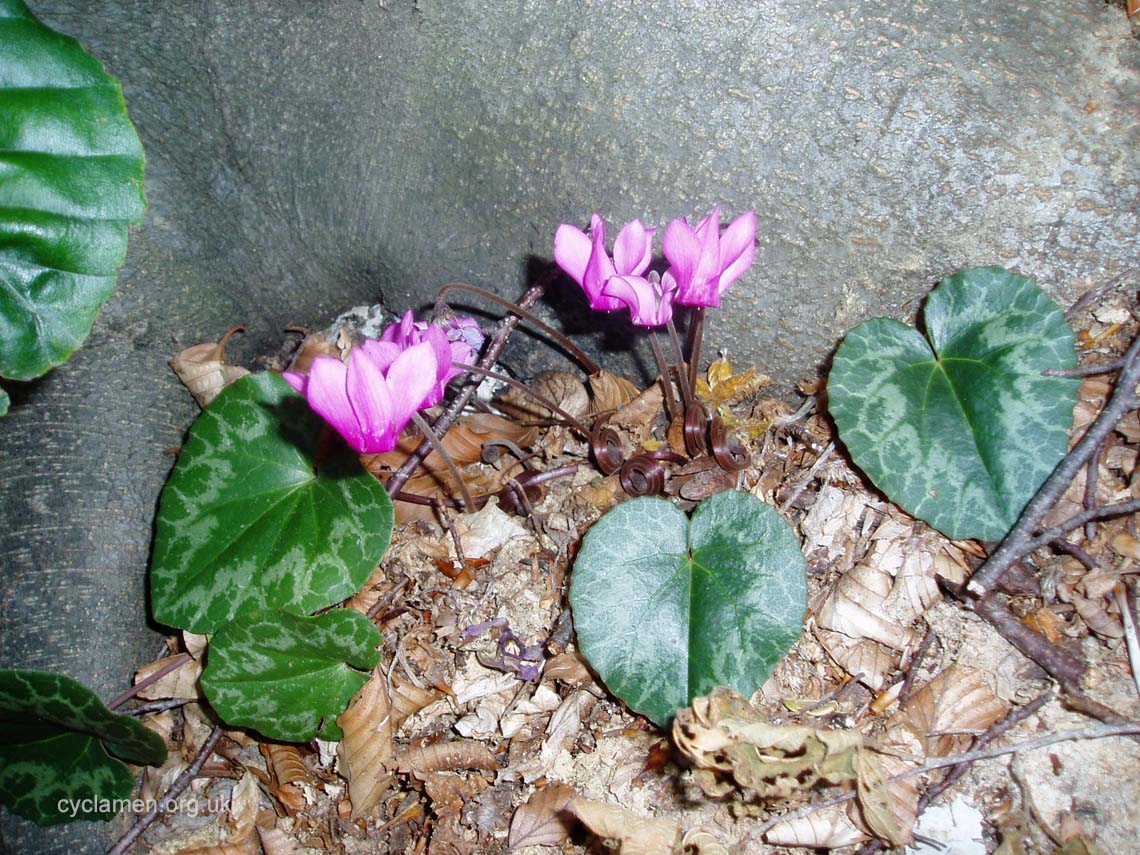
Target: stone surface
304	157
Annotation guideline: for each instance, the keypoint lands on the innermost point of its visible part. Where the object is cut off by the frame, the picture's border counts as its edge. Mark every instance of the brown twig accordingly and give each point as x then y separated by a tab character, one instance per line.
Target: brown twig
177	788
912	670
1094	294
1020	541
444	422
1091	473
1086	370
1063	667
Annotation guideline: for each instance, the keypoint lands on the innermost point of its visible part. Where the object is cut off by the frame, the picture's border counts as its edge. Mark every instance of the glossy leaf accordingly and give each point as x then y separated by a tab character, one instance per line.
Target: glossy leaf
959	428
666	608
5	401
288	677
59	743
265	509
71	180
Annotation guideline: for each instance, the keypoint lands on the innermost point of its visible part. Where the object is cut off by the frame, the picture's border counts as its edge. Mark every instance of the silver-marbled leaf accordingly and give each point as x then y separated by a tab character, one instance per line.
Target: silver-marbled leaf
266	508
286	676
666	608
959	428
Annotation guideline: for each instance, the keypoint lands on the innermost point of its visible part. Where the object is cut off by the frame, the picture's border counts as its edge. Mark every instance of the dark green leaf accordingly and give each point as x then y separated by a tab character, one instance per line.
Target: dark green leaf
71	180
962	429
667	609
289	677
265	509
4	402
59	743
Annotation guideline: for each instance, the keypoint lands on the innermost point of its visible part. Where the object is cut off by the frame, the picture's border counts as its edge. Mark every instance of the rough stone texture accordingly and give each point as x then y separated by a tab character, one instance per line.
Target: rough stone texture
304	157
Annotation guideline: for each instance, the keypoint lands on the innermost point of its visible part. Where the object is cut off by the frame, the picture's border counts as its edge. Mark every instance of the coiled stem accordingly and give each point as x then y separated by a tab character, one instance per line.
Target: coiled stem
642	475
728	451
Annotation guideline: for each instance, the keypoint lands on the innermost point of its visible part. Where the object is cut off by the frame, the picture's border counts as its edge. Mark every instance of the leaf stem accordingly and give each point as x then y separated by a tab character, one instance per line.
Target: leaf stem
429	434
176	663
666	375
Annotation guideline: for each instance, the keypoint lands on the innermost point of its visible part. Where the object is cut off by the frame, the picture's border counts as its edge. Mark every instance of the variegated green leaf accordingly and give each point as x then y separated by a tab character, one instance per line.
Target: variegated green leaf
4	402
71	180
266	508
959	428
667	609
62	750
289	677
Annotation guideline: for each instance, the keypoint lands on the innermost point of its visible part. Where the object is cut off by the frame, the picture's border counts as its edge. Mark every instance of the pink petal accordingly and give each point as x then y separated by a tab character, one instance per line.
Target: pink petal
737	249
411	379
647	306
598	272
441	349
381	352
633	248
300	382
371	400
572	251
402	332
328	396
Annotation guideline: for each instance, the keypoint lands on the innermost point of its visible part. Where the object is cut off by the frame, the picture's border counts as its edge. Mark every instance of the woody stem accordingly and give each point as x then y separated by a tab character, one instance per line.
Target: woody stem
696	333
684	378
515	384
666	378
429	435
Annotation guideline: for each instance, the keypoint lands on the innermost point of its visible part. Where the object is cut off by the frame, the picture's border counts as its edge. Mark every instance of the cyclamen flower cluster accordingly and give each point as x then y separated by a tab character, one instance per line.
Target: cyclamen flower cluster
703	261
371	399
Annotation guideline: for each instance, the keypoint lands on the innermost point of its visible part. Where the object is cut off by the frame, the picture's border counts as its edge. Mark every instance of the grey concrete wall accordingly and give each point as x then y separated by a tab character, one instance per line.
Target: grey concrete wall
308	155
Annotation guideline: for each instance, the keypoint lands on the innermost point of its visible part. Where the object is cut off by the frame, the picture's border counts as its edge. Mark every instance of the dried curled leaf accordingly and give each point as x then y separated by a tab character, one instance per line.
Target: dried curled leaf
203	370
276	842
830	828
366	750
408	699
248	847
541	820
698	842
723	388
290	774
182	682
610	392
723	736
638	835
447	757
937	719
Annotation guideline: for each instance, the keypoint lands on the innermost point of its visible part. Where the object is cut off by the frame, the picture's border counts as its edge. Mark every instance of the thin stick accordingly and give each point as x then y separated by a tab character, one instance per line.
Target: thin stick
176	789
1091	473
1086	370
1094	294
444	422
573	349
160	706
526	390
437	444
176	663
1120	592
912	671
1065	668
1077	520
1016	544
666	375
1100	731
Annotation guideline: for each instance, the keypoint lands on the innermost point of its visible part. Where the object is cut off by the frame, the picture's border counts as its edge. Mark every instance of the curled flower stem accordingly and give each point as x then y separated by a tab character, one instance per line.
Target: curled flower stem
605	443
490	354
571	348
429	434
642	475
666	375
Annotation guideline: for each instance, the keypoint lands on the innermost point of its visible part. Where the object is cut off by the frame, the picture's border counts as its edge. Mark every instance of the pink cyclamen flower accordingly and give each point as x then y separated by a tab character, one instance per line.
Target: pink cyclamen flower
372	398
457	343
704	261
650	299
585	258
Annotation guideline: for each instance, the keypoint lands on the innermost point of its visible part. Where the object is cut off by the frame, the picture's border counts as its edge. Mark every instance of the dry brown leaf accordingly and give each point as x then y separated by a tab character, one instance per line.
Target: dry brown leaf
611	392
955	700
182	682
558	387
290	774
541	820
486	530
408	699
366	750
314	345
888	809
567	667
561	733
830	828
203	371
247	847
447	757
868	661
195	643
276	842
1126	546
638	835
638	415
243	809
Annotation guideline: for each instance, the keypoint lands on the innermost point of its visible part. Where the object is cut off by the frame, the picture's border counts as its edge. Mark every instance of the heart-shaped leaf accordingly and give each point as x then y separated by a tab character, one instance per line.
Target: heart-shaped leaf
286	676
666	608
960	430
62	750
266	508
71	180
